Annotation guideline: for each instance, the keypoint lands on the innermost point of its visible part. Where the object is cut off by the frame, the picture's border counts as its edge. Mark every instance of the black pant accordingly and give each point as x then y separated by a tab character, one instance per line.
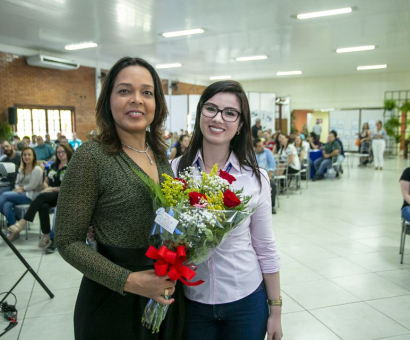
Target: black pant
273	192
42	203
102	314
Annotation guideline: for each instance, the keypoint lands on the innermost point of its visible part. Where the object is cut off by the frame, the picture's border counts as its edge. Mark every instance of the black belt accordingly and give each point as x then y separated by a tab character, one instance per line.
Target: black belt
131	258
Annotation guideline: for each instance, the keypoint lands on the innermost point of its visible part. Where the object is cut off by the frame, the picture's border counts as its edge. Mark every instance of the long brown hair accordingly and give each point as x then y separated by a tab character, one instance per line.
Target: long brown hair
67	150
107	132
23	164
240	145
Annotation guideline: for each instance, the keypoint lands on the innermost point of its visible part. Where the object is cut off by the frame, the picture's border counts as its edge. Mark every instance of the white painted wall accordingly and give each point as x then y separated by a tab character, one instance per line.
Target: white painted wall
351	91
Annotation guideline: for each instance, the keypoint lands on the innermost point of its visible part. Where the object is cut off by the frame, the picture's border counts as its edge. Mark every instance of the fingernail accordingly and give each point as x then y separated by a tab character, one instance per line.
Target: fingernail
173	300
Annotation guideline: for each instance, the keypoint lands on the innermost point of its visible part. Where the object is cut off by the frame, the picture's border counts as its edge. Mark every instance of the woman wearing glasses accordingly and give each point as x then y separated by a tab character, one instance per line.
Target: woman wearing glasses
242	275
47	198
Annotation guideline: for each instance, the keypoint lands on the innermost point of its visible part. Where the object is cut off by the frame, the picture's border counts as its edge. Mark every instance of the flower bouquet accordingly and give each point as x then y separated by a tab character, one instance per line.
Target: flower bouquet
195	214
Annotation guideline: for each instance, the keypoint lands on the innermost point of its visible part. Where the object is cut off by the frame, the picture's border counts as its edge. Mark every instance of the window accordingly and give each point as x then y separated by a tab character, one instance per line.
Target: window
44	120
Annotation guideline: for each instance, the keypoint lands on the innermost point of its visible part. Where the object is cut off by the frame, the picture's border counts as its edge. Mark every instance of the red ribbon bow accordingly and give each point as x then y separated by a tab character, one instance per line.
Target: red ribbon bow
168	259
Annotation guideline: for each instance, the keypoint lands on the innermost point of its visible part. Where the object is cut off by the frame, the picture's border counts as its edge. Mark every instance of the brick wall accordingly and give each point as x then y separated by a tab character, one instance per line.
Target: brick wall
23	84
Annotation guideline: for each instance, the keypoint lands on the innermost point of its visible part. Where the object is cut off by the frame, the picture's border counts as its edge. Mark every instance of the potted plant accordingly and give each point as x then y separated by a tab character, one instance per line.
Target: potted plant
391	127
389	104
405	107
5	131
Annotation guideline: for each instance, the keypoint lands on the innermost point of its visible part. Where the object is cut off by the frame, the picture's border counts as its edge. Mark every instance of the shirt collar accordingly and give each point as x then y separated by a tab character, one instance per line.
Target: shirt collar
232	159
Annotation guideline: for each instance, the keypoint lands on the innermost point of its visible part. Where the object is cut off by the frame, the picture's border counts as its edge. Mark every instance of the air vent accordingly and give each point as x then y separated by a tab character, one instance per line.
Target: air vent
51	62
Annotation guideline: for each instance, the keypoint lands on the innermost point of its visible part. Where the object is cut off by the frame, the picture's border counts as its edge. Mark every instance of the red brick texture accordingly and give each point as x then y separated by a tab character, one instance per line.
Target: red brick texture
23	84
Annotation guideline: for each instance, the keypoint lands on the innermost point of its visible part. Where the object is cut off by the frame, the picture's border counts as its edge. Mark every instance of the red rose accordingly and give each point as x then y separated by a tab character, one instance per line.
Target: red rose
230	199
227	176
183	182
195	197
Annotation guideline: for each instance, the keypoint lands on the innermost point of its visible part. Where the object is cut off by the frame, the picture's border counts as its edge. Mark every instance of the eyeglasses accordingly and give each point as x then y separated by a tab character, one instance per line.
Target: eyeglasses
228	114
60	152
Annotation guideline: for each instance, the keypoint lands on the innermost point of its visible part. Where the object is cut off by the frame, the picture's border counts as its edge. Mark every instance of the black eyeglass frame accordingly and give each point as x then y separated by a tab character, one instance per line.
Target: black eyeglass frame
221	111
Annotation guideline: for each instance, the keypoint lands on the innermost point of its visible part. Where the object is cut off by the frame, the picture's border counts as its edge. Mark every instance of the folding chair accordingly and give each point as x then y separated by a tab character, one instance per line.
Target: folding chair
23	209
281	173
405	228
297	178
305	164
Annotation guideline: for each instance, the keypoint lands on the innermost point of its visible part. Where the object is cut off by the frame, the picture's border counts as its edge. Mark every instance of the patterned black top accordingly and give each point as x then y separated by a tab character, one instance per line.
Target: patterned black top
104	190
55	175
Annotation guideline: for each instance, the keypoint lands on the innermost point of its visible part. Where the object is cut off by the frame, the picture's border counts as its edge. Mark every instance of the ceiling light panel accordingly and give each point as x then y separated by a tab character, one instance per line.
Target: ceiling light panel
288	73
80	46
161	66
324	13
355	49
256	57
184	32
220	77
371	67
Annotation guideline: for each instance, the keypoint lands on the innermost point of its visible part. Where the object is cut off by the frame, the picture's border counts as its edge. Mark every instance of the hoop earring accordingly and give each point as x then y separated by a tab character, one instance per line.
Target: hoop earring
238	132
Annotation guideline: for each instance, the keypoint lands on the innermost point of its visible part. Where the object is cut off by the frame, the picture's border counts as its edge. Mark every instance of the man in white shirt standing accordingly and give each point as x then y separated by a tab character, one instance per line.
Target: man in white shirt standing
317	129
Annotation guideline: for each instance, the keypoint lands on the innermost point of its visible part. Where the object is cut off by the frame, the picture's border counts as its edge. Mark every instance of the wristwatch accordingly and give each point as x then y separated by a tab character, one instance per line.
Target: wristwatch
277	302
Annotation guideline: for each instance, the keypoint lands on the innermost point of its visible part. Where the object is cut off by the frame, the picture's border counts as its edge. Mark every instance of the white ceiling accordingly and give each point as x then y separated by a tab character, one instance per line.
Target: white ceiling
234	28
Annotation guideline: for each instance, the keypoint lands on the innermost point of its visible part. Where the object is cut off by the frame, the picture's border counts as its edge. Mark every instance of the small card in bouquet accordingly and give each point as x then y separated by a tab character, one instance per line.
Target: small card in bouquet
166	221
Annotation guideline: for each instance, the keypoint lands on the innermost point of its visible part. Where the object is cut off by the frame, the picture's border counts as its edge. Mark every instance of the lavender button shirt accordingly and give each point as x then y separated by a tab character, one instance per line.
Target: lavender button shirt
235	268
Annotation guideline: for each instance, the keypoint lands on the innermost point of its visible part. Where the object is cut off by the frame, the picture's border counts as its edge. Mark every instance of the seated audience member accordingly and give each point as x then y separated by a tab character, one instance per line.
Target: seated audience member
9	156
268	142
26	140
29	183
330	150
58	140
75	142
21	146
44	152
314	142
181	146
405	191
266	161
16	140
33	141
64	140
48	197
288	154
259	135
340	156
48	141
275	138
302	154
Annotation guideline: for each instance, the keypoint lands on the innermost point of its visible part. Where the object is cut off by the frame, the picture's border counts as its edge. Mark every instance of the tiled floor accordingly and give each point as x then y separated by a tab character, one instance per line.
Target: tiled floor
341	275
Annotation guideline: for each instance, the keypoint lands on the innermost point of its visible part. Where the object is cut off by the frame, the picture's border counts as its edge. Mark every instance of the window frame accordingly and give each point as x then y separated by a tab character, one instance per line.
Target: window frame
46	108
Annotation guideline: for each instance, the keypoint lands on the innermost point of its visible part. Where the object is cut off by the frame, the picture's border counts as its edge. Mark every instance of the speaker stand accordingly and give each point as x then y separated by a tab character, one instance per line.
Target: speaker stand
28	269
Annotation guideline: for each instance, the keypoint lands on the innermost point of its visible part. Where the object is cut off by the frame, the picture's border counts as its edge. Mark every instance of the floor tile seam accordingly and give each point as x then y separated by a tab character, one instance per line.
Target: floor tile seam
387	297
314	258
296	311
29	299
46	316
284	284
320	321
387	316
392	337
399	284
341	275
362	274
333	305
293	258
370	299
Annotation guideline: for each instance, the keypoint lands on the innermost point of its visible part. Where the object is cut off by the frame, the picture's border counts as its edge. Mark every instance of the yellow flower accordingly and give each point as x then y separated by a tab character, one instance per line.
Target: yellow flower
172	190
